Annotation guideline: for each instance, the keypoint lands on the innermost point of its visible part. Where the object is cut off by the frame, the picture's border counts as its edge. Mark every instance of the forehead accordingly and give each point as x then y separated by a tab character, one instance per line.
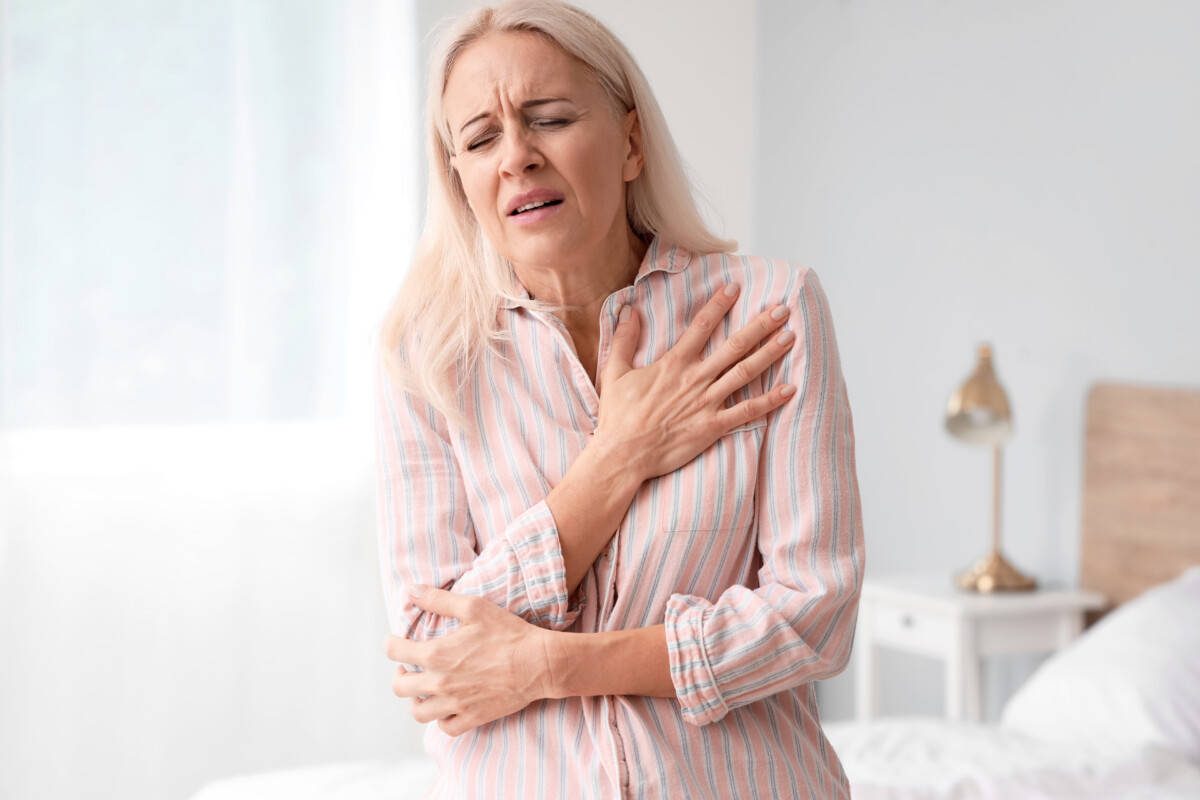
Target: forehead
511	66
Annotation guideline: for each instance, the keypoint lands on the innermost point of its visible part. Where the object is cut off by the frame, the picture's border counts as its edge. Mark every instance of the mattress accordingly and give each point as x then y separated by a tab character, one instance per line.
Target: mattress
906	758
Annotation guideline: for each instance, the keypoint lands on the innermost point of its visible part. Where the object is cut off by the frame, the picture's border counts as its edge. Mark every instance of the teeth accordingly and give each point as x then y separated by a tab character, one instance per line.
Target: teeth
529	206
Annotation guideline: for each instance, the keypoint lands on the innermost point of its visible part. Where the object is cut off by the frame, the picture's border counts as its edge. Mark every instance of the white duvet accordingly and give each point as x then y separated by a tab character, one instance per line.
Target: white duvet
908	758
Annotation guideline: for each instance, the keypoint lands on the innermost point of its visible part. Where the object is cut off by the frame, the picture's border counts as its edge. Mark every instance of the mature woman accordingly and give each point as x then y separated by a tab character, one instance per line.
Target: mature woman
619	519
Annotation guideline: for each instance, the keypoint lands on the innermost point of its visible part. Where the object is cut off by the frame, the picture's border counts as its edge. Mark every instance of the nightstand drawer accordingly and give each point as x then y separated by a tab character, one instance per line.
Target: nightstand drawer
915	629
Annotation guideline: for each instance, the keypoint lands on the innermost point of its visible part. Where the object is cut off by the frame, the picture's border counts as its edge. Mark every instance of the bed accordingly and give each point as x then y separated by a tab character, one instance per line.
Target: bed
1114	715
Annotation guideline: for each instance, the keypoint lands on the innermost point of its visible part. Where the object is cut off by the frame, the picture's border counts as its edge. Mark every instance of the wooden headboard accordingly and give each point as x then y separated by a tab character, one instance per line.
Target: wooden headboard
1141	488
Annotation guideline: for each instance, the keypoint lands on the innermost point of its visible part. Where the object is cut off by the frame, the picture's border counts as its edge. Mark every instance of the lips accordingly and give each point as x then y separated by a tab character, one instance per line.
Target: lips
539	196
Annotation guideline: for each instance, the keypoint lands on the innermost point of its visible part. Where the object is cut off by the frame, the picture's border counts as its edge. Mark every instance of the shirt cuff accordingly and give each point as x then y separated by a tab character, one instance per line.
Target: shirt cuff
696	688
536	548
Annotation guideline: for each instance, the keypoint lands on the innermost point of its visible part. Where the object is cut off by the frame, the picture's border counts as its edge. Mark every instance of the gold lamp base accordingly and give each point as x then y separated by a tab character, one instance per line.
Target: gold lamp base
993	573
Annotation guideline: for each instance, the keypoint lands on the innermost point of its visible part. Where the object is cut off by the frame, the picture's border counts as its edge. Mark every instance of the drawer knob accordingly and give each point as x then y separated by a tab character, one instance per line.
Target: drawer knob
906	621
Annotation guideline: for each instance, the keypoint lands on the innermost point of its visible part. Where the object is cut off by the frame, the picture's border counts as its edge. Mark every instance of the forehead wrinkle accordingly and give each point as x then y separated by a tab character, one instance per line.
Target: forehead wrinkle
508	82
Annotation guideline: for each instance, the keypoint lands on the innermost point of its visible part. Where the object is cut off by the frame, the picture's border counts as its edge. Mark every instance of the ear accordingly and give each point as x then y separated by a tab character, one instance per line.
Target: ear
634	159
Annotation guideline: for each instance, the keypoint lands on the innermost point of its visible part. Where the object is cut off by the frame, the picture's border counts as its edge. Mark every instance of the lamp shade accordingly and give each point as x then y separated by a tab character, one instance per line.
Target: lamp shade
978	411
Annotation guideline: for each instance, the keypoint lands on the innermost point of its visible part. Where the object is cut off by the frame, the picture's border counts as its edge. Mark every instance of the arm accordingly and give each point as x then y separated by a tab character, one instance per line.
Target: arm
633	661
798	625
426	534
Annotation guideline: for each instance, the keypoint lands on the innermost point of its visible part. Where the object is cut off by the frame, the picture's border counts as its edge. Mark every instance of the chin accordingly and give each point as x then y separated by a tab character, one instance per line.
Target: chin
539	246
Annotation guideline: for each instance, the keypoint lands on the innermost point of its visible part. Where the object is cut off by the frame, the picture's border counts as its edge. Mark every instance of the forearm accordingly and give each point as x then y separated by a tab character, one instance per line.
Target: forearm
588	505
632	661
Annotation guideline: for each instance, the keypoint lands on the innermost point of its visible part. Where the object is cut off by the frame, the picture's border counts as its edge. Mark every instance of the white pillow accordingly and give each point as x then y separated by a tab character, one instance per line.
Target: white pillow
1130	680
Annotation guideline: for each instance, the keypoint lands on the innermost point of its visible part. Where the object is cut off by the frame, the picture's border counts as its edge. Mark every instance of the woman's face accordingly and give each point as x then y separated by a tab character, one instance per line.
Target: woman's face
526	117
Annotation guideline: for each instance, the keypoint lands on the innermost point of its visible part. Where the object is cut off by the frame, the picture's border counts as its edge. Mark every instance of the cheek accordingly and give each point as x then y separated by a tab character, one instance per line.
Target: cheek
481	196
600	180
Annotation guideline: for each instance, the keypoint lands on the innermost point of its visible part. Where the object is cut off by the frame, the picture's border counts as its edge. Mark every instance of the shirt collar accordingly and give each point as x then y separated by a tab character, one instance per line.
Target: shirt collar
659	256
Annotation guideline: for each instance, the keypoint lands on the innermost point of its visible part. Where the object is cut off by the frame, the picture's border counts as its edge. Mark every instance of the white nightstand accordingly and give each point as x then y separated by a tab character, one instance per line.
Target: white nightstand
928	614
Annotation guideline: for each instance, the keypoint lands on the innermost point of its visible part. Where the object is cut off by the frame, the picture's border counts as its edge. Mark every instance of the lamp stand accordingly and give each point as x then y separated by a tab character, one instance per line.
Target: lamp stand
993	572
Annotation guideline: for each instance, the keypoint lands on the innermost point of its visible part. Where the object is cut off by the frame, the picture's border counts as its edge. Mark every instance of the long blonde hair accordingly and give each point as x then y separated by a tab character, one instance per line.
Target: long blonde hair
444	311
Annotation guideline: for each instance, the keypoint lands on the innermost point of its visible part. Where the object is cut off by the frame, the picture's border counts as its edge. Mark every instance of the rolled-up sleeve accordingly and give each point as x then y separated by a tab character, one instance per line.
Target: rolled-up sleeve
797	626
426	534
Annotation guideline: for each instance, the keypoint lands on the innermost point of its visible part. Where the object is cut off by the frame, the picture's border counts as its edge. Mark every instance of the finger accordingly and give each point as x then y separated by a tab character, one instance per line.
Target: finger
438	707
413	684
624	344
455	726
751	367
739	344
750	410
406	650
440	601
700	329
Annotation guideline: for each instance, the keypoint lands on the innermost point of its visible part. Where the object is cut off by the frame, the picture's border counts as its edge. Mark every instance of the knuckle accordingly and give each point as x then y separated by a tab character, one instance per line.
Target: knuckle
746	413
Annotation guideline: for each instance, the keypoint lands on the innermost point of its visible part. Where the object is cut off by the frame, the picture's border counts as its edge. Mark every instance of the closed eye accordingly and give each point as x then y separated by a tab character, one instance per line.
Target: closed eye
545	123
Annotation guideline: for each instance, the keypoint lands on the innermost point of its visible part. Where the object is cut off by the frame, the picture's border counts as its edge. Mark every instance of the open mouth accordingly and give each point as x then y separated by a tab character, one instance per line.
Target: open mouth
533	207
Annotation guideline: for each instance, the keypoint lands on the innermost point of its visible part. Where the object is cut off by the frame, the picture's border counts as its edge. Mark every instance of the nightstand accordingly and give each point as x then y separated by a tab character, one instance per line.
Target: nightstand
929	615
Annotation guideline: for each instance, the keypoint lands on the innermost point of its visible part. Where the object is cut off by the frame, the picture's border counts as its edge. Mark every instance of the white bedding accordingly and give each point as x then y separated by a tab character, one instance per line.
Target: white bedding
911	758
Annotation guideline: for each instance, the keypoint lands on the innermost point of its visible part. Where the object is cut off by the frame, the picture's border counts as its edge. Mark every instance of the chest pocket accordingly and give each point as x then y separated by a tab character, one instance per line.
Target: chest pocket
715	490
691	530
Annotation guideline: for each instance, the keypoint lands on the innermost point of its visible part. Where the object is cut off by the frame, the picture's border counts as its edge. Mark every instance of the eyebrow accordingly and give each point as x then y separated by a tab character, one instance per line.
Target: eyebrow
541	101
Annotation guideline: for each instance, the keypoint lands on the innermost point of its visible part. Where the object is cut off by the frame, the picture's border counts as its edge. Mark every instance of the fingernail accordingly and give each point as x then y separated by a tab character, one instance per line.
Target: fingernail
624	314
785	337
780	312
731	289
417	590
787	390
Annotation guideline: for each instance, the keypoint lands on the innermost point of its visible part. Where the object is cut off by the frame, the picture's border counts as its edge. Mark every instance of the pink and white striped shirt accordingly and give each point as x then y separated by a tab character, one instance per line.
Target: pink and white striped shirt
751	554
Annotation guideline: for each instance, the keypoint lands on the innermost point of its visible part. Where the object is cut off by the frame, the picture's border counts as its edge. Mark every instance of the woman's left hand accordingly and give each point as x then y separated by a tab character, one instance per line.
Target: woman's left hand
494	664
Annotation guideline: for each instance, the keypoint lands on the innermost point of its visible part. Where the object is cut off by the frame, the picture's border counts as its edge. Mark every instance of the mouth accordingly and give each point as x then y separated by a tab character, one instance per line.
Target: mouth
528	207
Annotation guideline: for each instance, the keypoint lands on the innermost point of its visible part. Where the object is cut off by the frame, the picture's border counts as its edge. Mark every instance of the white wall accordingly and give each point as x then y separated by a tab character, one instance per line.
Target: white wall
1023	173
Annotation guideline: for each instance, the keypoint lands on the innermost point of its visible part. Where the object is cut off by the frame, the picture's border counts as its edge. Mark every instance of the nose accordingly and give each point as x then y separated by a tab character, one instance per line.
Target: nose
518	154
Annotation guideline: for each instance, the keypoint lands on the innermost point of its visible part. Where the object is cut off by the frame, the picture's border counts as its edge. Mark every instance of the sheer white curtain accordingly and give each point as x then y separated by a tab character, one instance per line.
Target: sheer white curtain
202	204
204	209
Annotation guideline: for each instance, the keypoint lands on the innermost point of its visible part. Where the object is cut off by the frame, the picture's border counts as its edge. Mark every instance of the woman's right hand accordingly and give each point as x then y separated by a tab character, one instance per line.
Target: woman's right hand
663	415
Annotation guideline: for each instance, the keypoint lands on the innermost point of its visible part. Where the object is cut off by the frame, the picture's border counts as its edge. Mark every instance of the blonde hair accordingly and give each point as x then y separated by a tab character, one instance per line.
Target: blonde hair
444	311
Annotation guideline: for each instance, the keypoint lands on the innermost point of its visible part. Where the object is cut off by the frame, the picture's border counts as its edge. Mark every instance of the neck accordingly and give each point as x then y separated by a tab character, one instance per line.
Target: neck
582	283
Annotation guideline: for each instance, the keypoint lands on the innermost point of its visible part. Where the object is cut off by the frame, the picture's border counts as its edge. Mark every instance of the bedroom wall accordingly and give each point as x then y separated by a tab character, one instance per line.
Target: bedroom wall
1021	173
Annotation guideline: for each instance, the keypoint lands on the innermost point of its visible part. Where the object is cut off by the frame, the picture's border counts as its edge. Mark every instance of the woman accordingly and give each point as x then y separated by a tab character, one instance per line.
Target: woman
627	488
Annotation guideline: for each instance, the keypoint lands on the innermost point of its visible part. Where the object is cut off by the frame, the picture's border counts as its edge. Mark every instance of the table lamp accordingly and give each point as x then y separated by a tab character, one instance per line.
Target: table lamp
978	413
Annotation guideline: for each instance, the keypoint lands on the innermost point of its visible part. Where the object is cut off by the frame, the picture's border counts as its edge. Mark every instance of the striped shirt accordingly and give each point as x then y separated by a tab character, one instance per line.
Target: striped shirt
751	554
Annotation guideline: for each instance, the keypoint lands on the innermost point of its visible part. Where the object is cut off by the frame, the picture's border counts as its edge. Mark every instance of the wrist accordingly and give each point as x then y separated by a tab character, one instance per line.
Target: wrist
558	647
613	466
